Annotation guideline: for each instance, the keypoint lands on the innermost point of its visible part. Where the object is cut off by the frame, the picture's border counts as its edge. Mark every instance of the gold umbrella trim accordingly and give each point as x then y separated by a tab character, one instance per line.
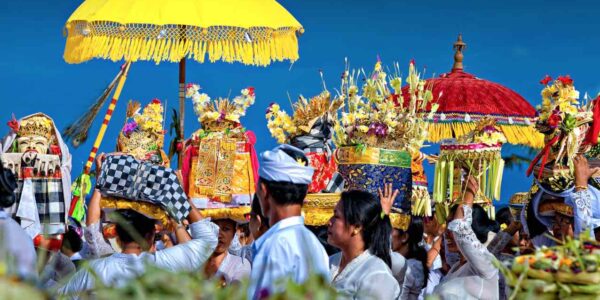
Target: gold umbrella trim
515	134
132	42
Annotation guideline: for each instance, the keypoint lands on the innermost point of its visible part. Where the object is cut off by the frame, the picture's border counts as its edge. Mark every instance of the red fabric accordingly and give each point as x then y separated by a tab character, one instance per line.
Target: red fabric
189	153
543	155
324	170
74	201
594	131
251	139
465	93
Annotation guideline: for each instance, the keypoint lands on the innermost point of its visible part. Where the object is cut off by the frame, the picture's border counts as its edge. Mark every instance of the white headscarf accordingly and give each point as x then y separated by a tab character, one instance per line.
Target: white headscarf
279	166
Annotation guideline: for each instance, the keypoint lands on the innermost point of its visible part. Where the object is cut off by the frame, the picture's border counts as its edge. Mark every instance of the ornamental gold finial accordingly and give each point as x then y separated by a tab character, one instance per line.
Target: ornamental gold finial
459	46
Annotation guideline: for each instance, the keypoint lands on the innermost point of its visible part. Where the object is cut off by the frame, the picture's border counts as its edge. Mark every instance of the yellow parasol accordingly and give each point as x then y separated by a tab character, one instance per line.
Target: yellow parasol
253	32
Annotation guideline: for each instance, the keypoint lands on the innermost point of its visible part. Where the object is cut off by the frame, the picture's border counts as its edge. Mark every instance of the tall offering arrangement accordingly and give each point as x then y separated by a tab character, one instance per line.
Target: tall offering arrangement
220	165
310	128
476	154
378	135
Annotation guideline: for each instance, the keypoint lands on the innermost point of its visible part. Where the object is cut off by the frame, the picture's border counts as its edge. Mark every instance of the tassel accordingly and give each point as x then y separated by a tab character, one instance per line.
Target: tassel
78	131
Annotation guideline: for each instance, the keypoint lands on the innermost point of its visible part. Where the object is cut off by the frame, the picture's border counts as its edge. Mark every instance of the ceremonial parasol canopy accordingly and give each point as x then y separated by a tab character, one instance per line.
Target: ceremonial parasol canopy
253	32
463	99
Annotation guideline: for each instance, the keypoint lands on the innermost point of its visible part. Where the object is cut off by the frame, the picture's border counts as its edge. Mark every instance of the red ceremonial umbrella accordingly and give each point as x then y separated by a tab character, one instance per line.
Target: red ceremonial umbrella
463	99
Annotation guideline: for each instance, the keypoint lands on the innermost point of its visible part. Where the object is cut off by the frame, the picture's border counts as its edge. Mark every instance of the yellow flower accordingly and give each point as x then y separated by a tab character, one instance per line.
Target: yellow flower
396	84
391	123
348	118
363	128
232	118
352	90
213	115
275	108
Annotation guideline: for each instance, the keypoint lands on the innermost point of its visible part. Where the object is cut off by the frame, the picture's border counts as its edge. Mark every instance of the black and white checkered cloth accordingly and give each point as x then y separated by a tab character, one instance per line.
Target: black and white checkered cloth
123	176
318	139
336	184
49	198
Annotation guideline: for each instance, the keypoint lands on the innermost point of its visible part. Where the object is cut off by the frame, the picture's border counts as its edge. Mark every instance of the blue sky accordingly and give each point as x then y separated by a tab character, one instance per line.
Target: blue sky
514	43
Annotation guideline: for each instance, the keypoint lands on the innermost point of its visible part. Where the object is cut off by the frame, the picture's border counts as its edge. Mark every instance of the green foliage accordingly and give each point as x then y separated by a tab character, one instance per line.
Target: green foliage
158	283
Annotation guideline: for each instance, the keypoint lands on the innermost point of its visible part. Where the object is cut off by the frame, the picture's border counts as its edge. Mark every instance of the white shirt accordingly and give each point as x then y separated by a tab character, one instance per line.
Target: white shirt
477	278
398	267
19	246
435	273
414	280
365	277
287	250
233	268
118	268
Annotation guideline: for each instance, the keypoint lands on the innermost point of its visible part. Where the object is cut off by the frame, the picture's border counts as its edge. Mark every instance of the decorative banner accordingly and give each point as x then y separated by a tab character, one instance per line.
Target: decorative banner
224	170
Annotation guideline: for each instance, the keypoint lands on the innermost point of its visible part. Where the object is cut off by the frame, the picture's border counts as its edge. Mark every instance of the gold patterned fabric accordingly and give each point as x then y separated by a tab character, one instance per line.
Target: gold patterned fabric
318	208
149	209
400	221
224	170
237	214
369	155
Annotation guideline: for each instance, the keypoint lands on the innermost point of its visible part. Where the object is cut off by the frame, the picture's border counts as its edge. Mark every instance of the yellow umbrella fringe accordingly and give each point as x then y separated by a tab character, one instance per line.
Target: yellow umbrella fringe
515	134
228	44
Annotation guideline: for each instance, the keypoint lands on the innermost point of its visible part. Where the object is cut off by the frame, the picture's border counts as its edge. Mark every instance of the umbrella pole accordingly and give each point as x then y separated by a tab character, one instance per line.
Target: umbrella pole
181	112
99	138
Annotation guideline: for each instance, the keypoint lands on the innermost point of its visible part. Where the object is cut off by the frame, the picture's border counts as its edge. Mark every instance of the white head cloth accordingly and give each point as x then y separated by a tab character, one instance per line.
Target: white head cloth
279	166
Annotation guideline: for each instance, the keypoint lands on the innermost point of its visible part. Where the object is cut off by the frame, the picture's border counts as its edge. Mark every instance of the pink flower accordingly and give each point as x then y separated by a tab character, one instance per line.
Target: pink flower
129	128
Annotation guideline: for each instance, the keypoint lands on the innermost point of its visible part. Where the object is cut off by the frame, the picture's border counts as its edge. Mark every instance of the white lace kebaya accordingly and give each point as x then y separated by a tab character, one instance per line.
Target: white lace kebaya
477	278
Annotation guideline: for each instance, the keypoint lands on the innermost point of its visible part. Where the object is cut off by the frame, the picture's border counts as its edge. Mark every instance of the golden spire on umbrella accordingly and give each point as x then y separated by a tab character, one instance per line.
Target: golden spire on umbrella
459	46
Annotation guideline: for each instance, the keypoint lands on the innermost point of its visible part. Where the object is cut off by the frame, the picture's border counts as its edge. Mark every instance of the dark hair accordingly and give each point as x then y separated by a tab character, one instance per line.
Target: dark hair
245	228
363	209
534	226
8	185
131	219
415	250
481	224
286	193
257	210
72	241
504	216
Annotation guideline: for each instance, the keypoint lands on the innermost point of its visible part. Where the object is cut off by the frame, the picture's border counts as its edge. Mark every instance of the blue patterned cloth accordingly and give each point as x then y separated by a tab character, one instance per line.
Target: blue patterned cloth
370	178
